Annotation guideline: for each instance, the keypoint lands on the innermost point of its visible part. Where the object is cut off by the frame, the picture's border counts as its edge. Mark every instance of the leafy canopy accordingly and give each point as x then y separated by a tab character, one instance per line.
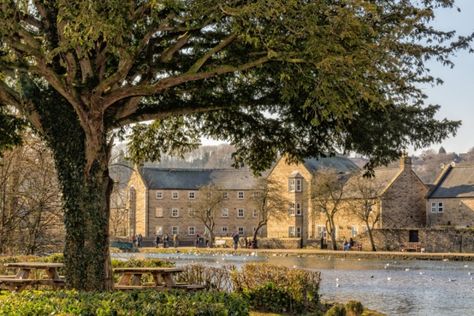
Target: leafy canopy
304	77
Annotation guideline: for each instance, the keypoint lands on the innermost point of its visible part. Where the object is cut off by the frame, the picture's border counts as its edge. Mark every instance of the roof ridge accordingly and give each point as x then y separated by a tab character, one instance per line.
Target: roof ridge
196	169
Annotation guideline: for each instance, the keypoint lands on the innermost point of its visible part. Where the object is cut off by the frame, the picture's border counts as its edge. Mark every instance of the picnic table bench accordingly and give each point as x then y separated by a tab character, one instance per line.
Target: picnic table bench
47	274
409	246
163	278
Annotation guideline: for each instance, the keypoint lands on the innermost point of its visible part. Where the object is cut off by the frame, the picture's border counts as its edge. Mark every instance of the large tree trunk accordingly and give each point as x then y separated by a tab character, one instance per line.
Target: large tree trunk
82	165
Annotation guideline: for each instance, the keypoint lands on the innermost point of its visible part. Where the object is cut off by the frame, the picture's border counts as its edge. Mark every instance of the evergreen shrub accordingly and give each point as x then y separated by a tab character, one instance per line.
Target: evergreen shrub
134	303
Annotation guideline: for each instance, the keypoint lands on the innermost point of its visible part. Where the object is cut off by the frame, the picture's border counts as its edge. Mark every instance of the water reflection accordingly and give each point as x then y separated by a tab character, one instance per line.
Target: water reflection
394	287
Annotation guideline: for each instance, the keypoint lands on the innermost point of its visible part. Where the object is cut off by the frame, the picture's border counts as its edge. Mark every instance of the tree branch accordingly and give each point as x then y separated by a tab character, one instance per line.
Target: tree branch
201	61
162	85
167	55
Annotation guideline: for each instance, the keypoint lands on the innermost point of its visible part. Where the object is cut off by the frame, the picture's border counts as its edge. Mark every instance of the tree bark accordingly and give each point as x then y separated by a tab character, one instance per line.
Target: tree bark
371	238
82	165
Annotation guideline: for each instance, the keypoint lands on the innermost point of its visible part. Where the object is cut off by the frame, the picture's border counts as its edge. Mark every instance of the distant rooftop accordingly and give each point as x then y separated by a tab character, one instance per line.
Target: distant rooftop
458	181
193	179
339	163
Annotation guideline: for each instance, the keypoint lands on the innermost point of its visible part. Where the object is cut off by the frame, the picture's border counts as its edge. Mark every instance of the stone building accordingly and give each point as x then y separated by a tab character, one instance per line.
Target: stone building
399	198
295	185
161	202
450	203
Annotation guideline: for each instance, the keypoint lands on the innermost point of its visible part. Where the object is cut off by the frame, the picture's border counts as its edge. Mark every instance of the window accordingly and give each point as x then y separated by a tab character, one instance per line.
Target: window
225	212
291	185
225	195
256	194
240	195
159	212
159	230
174	212
159	195
291	209
174	230
321	231
191	230
191	195
298	208
436	207
291	231
295	185
255	213
240	212
298	185
298	231
175	195
191	212
241	230
224	230
353	231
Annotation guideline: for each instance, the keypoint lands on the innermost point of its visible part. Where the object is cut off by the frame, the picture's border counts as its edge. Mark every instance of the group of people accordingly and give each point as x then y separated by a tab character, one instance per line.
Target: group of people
347	245
165	240
137	240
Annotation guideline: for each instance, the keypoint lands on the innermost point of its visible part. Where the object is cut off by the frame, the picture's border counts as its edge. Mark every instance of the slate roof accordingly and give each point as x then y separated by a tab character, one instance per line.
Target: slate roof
381	181
341	164
193	179
458	181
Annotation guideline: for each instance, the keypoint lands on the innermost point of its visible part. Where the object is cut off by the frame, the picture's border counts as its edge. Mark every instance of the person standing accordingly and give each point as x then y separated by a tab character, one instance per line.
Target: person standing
236	238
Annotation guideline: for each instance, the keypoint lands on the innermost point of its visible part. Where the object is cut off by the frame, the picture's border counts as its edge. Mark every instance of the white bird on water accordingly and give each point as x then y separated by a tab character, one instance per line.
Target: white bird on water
389	278
407	269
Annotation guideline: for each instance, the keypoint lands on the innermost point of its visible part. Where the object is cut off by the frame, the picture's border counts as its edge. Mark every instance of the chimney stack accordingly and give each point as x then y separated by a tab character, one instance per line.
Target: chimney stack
405	161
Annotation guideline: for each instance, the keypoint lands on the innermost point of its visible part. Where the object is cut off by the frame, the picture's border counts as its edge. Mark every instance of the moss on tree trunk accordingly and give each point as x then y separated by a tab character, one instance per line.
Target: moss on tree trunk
86	189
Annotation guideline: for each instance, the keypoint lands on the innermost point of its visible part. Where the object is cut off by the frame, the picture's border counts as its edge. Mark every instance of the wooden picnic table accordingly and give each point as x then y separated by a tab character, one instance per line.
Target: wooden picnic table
132	277
24	276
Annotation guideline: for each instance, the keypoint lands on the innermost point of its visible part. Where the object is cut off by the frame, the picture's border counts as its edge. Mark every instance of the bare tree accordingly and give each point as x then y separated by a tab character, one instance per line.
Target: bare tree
206	207
363	203
30	200
119	213
327	195
268	203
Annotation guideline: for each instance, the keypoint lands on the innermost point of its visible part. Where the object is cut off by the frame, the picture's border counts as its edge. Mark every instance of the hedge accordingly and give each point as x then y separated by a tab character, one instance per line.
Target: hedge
150	302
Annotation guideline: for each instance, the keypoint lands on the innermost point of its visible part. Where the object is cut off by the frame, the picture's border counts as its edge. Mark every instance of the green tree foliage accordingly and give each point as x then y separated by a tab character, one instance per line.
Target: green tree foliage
306	78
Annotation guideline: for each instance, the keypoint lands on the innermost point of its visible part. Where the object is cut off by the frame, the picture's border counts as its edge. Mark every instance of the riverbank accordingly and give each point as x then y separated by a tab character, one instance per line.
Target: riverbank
379	255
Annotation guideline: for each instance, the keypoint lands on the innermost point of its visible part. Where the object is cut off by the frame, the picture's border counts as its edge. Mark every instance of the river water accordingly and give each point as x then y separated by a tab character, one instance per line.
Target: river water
407	287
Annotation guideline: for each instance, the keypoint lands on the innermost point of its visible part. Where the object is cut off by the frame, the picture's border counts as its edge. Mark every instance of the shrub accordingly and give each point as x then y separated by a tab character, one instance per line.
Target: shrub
211	277
336	310
302	286
269	297
354	308
133	262
164	303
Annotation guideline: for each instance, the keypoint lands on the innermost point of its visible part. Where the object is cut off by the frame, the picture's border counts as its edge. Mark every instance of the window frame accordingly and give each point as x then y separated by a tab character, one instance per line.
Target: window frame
291	231
238	212
254	213
193	228
159	195
193	193
173	195
226	230
226	213
239	193
241	230
159	214
298	185
173	228
225	195
173	210
298	209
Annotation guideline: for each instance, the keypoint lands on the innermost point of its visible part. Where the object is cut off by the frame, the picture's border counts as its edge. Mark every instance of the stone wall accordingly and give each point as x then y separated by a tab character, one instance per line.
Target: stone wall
403	203
456	212
165	220
137	204
431	239
279	228
263	243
